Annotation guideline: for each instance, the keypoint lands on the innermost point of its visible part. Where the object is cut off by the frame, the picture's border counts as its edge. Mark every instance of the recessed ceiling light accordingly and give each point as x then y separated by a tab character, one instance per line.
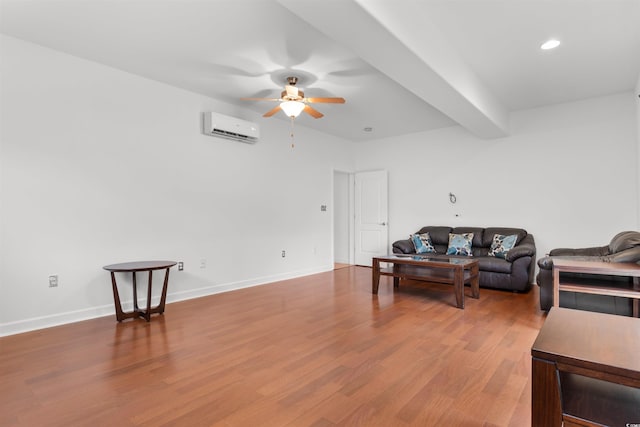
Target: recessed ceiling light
550	44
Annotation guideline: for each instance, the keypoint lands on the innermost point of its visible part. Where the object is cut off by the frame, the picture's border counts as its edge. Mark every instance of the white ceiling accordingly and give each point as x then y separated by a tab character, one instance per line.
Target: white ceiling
403	66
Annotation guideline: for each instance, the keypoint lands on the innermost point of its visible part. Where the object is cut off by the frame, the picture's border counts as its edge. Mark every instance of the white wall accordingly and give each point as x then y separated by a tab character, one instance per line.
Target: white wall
567	173
99	166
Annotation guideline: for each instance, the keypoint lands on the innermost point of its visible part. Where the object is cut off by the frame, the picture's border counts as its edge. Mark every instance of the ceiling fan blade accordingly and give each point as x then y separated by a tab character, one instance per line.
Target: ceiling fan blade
326	100
271	112
260	99
312	112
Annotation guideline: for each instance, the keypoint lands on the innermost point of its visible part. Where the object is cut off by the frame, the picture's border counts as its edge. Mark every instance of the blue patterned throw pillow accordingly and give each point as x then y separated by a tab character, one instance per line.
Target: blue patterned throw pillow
501	245
460	244
422	243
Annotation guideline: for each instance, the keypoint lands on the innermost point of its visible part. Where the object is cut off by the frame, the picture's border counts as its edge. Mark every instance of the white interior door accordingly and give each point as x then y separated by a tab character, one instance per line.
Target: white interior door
371	229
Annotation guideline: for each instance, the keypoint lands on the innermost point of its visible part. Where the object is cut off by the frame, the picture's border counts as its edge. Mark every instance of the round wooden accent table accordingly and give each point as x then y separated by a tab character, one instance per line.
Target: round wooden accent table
133	268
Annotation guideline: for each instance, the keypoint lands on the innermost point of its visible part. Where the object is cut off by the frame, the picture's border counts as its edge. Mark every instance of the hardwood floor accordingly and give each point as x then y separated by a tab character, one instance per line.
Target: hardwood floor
314	351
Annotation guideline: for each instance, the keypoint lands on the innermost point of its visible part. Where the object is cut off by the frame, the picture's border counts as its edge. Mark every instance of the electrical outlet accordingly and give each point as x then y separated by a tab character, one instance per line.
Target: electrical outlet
284	254
53	281
203	263
180	265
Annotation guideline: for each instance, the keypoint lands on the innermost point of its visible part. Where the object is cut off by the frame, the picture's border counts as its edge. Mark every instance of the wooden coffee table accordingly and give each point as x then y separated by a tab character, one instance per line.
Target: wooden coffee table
454	271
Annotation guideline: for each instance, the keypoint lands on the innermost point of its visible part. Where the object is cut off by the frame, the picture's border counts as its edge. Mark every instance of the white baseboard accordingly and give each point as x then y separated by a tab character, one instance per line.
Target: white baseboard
232	286
35	323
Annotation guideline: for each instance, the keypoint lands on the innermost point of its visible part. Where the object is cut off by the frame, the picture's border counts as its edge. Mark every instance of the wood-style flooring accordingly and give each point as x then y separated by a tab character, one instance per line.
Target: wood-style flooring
315	351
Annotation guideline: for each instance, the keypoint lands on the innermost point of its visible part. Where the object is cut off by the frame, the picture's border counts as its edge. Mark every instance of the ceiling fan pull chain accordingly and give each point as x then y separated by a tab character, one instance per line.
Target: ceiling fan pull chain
291	134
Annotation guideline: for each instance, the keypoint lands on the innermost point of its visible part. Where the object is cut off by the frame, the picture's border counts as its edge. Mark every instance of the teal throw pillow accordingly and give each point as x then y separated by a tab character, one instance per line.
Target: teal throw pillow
460	244
422	243
501	245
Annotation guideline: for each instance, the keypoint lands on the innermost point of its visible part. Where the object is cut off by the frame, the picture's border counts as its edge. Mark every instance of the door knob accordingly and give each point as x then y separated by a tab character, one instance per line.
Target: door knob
383	223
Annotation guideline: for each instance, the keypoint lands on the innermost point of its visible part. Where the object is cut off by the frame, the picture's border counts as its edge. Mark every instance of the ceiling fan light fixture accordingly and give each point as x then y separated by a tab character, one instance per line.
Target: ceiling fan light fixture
292	108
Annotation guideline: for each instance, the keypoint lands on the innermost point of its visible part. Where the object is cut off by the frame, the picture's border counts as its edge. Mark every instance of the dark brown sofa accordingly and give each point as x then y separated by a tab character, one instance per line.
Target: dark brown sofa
624	247
515	273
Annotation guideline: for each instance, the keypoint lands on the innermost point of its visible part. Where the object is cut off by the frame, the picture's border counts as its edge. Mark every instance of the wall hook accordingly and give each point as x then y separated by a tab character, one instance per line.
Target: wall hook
452	198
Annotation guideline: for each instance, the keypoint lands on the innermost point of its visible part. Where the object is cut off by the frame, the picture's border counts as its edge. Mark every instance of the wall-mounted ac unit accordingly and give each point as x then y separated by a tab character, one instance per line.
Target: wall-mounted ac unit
230	128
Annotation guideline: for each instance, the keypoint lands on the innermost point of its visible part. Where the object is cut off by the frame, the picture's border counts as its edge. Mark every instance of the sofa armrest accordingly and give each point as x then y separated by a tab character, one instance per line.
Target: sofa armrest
595	251
403	247
520	251
526	247
628	255
545	263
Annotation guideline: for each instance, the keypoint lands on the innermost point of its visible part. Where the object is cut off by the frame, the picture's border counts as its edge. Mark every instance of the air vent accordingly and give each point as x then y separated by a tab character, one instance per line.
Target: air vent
230	128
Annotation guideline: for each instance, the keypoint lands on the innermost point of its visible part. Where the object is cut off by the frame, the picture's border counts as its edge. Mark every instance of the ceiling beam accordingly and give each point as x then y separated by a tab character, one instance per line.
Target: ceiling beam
412	52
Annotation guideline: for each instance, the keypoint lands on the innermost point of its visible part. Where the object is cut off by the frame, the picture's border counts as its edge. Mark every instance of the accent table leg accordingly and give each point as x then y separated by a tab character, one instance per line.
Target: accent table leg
147	315
135	293
116	298
163	298
375	279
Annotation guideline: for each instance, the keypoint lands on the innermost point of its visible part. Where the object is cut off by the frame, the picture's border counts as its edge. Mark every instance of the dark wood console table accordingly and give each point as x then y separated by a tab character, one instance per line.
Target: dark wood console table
586	370
134	267
594	287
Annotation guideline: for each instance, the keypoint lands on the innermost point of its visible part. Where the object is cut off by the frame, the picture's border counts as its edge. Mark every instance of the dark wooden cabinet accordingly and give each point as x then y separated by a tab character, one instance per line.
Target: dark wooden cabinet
586	370
597	284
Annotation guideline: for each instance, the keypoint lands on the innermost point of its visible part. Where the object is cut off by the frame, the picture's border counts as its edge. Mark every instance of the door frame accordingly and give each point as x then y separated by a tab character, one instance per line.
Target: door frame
350	214
361	225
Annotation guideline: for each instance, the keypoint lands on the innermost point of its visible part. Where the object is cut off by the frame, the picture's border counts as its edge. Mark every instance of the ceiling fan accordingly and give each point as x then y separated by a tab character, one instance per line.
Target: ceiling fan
293	102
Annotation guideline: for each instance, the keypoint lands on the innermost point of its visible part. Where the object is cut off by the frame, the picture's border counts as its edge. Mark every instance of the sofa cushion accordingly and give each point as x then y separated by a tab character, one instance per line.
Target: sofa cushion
460	244
477	235
441	249
422	243
439	235
505	231
501	245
